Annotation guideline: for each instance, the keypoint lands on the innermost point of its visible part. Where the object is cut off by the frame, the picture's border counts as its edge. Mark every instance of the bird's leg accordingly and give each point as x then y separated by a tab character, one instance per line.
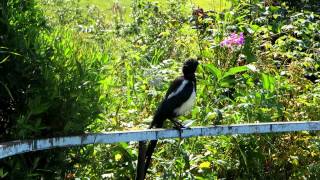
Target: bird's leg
177	125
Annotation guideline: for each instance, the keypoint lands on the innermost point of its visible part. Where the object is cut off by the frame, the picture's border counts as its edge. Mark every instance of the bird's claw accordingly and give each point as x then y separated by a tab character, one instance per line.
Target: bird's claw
179	126
180	129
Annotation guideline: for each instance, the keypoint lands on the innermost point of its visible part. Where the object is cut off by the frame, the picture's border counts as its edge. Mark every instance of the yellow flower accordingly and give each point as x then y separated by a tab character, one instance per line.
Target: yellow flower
117	157
205	165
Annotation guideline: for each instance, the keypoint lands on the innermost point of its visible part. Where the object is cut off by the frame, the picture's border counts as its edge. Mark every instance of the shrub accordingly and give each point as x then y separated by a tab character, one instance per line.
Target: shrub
48	87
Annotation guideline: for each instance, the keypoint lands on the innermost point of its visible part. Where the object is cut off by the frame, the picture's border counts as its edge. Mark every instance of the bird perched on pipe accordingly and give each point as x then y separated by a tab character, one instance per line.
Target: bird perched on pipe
178	100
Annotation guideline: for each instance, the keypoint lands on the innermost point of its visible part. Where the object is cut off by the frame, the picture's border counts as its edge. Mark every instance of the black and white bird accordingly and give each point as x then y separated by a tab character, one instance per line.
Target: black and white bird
178	100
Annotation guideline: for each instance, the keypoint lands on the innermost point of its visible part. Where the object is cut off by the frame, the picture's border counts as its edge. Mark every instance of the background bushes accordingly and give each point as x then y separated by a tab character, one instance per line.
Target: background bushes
48	87
67	68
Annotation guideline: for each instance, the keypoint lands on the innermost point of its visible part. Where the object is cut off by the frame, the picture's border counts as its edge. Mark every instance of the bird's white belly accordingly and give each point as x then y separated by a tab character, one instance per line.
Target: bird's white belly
186	106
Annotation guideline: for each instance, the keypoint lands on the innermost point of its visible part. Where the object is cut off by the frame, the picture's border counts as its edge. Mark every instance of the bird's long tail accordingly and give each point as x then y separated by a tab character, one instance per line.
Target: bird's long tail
144	158
157	122
151	147
145	153
141	161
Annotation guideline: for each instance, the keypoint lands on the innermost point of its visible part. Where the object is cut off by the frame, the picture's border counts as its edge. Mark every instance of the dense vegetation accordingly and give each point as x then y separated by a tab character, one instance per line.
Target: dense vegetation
68	68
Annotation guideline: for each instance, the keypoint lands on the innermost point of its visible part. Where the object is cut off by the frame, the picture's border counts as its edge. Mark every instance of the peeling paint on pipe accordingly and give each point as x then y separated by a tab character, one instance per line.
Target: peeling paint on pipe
17	147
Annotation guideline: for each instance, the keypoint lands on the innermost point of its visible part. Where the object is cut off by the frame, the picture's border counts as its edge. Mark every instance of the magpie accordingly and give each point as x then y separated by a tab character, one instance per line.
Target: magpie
178	100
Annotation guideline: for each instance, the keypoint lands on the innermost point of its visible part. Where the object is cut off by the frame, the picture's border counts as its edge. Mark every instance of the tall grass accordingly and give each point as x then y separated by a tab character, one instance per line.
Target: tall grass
123	7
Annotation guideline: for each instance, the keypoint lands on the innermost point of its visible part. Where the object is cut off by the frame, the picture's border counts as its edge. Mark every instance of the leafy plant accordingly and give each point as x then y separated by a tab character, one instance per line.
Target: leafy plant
66	69
226	79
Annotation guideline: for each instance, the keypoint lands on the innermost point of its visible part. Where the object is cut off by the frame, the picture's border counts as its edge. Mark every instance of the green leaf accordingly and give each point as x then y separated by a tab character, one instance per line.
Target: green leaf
5	59
254	27
7	89
188	123
235	70
2	173
214	70
227	82
36	106
268	82
248	51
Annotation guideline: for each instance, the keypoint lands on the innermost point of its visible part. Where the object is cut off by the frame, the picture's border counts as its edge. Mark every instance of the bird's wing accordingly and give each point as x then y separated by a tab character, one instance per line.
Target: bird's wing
170	104
178	93
165	110
174	86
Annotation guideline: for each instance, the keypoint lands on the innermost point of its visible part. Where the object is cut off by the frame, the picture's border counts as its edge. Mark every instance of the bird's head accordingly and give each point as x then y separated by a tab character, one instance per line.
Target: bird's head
190	67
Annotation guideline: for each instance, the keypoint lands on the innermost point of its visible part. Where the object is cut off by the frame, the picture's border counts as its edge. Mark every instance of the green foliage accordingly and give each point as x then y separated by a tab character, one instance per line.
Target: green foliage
78	69
157	29
312	5
48	87
225	79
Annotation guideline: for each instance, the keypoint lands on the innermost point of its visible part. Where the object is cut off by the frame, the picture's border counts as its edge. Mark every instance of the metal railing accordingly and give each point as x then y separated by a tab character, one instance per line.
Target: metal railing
17	147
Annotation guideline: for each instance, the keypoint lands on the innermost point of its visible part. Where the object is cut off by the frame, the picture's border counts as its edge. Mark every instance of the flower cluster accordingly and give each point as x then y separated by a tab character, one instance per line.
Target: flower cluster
233	40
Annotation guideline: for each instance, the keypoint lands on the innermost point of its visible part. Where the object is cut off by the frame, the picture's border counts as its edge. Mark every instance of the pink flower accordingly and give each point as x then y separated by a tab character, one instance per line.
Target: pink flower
233	40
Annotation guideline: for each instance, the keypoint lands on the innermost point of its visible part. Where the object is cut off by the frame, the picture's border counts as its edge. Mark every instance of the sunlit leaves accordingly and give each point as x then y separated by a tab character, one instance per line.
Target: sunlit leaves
117	157
234	70
205	165
225	79
214	70
268	82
